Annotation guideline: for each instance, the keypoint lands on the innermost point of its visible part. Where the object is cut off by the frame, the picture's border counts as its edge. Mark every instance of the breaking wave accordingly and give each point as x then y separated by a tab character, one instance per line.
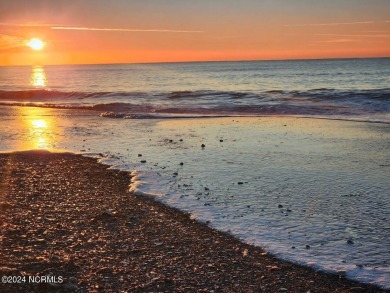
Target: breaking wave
147	105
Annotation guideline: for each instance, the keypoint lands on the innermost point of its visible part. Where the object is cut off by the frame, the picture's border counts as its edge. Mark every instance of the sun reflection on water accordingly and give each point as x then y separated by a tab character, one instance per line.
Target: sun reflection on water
40	134
38	77
40	127
39	123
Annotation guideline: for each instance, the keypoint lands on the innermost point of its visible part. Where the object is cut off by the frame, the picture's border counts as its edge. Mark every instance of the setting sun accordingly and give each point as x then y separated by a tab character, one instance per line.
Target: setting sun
36	44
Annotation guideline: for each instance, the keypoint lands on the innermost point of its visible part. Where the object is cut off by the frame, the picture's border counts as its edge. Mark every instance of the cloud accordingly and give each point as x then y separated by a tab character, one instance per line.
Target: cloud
81	28
377	31
346	35
122	29
338	23
338	41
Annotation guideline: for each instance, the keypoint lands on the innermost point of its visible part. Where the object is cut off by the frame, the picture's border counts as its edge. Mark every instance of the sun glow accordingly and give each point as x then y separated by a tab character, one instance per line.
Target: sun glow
36	44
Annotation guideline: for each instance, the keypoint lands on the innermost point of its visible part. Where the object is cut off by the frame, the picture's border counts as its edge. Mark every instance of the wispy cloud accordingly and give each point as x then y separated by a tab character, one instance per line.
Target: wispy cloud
346	35
372	31
337	41
122	29
82	28
338	23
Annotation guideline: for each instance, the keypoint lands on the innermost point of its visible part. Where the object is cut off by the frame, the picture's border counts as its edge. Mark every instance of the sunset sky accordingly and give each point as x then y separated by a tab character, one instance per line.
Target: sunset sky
127	31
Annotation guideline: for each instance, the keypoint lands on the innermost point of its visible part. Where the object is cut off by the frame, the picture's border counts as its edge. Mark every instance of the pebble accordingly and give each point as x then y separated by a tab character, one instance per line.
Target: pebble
240	183
139	155
280	206
203	145
350	241
181	163
71	287
143	161
341	273
307	246
273	268
107	214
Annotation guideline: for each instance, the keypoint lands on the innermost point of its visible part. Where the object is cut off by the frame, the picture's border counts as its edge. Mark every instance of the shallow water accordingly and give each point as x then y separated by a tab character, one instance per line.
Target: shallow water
312	182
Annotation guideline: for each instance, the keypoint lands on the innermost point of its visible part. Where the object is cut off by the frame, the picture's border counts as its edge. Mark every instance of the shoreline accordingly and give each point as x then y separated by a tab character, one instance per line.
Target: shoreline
166	116
63	213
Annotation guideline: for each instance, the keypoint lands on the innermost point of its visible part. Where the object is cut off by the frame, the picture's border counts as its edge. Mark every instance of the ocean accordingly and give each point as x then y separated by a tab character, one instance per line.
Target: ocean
292	156
346	89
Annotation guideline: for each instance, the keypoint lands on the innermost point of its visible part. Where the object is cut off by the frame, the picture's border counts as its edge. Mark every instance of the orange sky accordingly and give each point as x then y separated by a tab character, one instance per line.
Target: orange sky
85	32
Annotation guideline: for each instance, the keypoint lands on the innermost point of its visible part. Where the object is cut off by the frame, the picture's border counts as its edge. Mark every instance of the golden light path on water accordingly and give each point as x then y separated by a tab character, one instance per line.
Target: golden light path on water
40	128
38	77
38	124
36	128
39	133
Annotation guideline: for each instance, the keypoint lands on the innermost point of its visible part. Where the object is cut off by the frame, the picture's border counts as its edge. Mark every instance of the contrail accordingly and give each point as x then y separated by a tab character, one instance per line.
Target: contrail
121	29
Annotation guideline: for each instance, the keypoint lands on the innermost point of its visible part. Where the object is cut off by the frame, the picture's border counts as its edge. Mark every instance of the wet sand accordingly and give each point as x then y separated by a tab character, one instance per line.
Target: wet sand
67	216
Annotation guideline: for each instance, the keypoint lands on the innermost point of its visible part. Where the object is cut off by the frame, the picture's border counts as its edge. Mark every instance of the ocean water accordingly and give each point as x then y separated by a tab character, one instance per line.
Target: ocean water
347	89
296	157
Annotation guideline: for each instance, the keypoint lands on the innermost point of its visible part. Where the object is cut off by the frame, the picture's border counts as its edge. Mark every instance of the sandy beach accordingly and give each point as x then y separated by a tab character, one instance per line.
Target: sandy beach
68	217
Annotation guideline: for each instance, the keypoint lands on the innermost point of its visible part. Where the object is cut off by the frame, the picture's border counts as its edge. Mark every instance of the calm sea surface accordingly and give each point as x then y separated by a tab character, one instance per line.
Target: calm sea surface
314	191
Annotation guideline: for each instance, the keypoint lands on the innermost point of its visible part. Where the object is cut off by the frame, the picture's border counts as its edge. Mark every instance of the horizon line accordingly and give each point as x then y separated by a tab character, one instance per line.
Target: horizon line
204	61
